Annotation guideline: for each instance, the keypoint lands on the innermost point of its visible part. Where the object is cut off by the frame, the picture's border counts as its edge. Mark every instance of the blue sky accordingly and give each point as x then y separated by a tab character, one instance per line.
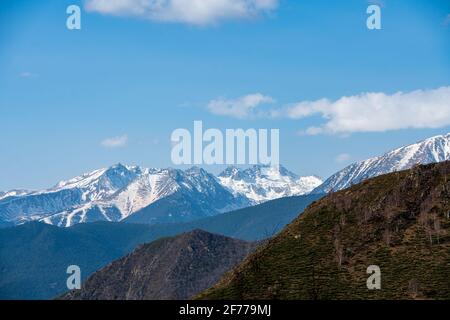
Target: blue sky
64	92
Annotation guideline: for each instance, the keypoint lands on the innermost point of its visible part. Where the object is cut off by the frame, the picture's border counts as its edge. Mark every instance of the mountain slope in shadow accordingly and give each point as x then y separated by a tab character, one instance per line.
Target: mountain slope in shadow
174	268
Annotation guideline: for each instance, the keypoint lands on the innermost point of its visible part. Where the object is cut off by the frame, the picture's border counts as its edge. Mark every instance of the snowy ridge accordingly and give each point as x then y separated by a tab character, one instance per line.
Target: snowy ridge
263	183
434	149
13	193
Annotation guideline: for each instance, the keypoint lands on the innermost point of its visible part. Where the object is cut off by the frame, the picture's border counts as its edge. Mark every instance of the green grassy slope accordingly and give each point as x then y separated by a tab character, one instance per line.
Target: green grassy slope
399	222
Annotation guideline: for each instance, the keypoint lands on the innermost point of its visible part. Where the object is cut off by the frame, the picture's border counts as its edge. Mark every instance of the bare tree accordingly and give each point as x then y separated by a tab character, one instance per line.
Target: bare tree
339	251
342	220
338	247
437	227
387	236
413	287
424	220
314	290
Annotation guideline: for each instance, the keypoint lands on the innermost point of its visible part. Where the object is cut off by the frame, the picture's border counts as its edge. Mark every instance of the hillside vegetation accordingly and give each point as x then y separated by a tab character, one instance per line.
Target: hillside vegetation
399	222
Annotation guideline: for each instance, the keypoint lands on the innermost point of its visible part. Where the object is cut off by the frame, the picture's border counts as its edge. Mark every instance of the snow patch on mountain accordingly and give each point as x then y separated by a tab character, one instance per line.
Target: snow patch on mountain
434	149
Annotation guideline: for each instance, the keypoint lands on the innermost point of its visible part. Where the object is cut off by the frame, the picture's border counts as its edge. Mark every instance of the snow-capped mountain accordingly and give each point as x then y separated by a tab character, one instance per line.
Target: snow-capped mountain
135	194
434	149
264	183
13	193
115	193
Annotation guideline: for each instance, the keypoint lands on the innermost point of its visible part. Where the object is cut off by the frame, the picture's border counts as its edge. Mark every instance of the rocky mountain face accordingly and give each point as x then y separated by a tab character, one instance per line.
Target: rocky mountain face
399	222
167	269
435	149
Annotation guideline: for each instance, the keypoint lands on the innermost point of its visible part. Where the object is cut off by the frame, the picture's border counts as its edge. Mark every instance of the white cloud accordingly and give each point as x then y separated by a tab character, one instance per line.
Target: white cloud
240	108
197	12
376	112
343	157
115	142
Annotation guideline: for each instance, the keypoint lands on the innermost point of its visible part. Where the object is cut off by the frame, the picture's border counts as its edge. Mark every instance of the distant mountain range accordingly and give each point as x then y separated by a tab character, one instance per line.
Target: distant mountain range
398	222
156	195
135	194
34	256
434	149
174	268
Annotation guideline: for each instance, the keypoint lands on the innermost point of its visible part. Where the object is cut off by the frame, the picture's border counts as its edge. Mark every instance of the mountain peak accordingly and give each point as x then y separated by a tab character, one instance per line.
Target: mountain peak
430	150
118	165
121	168
231	171
261	183
197	234
196	170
